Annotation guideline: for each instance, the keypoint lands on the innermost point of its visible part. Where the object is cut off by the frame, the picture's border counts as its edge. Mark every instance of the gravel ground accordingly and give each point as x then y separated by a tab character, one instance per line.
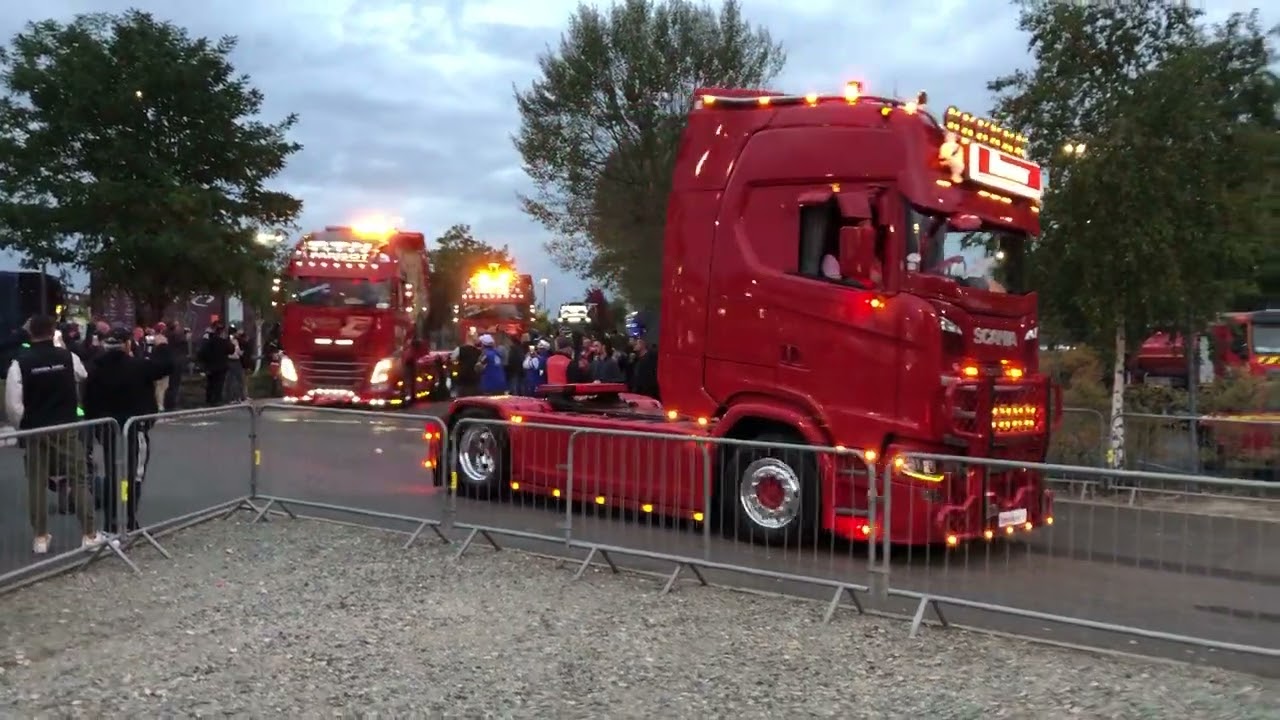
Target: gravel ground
303	619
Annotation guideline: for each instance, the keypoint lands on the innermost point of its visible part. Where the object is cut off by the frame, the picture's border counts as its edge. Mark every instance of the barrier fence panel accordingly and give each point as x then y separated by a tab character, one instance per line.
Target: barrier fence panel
1227	446
1081	439
767	508
1199	577
335	462
179	466
50	504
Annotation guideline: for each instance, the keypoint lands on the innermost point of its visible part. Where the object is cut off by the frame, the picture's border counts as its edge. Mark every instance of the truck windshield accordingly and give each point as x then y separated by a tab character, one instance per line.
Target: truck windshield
341	292
1266	339
990	258
498	312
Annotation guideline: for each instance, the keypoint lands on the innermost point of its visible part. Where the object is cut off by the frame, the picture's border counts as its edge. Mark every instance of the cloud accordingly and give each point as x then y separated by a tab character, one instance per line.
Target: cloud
405	107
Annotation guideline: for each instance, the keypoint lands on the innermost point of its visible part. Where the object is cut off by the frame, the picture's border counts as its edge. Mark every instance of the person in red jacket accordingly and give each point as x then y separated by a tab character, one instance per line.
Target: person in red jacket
558	363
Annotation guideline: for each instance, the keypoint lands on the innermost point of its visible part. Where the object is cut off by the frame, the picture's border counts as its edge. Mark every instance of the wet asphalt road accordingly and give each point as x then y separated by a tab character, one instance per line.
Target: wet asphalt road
1177	572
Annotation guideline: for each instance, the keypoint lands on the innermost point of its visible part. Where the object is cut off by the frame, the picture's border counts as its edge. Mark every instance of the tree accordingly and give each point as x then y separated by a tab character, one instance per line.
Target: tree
1266	290
600	128
1157	222
456	255
133	151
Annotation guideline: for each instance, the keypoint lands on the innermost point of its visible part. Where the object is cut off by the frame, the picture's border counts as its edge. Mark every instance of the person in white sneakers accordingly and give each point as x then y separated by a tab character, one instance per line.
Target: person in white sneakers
41	392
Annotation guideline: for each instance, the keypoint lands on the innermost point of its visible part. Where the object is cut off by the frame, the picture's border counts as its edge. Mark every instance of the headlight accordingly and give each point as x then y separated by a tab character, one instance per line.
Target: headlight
1032	334
926	470
382	371
288	372
948	326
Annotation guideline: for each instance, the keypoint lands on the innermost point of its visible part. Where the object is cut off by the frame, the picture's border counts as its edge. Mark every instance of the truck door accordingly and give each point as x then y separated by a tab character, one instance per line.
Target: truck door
837	343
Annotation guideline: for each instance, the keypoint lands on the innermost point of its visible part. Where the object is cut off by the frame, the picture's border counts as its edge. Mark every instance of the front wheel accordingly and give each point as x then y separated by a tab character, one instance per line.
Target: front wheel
769	495
481	457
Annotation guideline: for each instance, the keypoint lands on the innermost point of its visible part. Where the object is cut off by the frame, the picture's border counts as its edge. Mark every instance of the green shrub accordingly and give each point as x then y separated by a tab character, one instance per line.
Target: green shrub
1149	440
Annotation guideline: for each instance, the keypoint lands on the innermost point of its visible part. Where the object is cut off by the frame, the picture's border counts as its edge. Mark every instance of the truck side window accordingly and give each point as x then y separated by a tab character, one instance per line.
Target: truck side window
819	237
1239	340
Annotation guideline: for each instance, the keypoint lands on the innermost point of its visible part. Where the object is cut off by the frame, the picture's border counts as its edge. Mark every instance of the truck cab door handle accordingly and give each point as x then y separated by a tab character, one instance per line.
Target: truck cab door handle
790	354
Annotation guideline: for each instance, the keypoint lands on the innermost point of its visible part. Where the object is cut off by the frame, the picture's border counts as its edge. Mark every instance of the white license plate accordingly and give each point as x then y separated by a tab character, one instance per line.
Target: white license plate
1012	517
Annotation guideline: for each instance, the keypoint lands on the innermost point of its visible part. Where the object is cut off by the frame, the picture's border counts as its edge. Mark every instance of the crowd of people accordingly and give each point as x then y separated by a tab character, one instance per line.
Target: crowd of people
60	375
496	363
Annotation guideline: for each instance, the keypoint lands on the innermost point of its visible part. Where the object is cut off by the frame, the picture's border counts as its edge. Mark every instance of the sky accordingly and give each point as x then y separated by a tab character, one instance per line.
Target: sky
405	108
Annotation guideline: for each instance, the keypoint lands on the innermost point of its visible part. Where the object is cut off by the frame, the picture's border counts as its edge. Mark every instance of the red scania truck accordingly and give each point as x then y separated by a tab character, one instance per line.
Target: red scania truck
353	303
838	271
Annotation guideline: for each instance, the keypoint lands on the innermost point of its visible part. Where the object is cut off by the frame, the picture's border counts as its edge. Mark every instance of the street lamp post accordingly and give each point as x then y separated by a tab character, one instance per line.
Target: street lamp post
270	240
544	282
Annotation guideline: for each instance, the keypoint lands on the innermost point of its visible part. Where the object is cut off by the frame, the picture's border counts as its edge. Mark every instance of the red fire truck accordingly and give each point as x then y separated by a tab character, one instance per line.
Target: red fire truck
1248	341
353	327
496	298
837	271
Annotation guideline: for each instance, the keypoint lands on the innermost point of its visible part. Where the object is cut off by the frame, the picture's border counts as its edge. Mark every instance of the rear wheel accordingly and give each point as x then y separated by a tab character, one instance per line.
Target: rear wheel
769	495
481	455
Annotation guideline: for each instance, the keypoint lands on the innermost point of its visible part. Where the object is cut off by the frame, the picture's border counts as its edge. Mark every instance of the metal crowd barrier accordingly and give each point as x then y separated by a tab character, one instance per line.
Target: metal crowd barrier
86	468
372	464
595	495
1181	445
1153	572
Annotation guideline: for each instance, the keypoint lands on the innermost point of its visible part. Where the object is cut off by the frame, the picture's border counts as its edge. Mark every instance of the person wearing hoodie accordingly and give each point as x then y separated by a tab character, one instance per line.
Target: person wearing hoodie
535	367
121	385
493	372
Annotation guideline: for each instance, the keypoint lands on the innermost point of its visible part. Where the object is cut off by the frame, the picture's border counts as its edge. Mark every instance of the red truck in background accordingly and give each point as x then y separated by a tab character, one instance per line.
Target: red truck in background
495	298
1240	341
820	288
354	309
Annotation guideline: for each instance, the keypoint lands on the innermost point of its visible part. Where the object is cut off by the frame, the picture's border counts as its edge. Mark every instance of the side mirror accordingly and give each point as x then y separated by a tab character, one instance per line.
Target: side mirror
858	259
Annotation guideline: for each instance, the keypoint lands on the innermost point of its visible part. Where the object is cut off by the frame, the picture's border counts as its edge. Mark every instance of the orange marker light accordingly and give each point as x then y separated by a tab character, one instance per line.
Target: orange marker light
852	91
970	371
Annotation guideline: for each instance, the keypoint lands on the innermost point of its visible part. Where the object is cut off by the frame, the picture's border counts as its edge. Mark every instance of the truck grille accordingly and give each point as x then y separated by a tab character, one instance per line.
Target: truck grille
1016	409
336	374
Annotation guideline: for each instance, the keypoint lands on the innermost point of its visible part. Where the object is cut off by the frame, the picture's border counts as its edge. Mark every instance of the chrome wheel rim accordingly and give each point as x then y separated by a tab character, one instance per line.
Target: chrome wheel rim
769	493
478	455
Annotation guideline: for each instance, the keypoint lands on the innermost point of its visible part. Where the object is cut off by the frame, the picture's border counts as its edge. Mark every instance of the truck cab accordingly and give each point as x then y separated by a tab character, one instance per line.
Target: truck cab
846	271
495	299
353	303
1247	342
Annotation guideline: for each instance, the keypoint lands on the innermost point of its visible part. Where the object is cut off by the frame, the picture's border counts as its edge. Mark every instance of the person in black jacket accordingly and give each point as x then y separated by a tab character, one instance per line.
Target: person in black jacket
40	392
122	386
467	381
644	369
215	355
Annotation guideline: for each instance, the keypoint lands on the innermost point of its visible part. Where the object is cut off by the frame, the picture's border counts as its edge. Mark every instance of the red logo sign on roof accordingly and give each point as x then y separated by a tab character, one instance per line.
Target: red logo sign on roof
1004	172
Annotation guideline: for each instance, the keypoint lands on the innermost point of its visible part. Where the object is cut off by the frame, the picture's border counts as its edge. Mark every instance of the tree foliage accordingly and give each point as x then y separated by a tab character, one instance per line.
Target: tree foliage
455	256
599	129
1161	221
133	151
